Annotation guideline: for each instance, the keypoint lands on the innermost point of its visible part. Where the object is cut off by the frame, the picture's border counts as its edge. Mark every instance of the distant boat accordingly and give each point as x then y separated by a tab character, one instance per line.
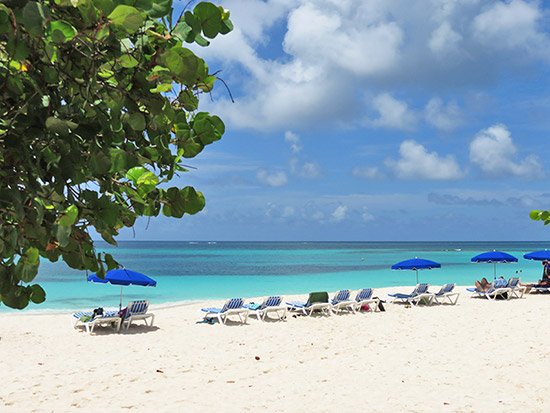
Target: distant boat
458	249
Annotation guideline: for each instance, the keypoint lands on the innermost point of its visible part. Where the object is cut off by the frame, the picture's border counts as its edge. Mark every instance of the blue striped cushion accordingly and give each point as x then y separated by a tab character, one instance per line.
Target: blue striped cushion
343	295
138	307
364	294
272	301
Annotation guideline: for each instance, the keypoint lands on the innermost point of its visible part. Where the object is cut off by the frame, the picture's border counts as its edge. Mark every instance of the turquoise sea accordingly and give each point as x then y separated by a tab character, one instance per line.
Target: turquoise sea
188	271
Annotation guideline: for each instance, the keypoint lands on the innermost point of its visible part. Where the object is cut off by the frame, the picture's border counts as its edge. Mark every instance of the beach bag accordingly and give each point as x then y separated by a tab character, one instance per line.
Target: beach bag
365	307
122	313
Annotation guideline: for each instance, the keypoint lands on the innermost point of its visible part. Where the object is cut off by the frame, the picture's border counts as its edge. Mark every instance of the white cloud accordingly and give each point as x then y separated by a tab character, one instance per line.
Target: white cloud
288	212
308	170
417	163
278	178
367	172
294	141
325	33
339	213
513	25
333	49
366	216
393	113
493	150
444	41
443	117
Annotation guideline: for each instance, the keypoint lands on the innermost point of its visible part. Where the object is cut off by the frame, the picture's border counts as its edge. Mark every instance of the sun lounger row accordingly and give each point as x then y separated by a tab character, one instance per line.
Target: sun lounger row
317	301
421	295
136	310
499	289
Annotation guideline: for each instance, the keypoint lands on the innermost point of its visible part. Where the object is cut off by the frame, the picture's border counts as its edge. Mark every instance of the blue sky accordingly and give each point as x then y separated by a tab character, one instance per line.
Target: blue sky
375	120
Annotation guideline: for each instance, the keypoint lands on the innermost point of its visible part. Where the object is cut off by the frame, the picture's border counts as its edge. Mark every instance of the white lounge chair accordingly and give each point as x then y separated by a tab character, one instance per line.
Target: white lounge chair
342	301
137	310
497	289
270	305
517	290
110	318
231	307
364	297
446	293
419	295
317	301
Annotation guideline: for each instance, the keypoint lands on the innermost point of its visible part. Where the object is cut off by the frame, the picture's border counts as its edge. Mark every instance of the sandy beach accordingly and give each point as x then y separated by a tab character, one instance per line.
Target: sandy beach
475	356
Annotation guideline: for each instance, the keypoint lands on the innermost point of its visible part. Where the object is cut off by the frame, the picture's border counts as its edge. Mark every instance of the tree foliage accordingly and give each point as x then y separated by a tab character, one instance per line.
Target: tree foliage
98	109
538	215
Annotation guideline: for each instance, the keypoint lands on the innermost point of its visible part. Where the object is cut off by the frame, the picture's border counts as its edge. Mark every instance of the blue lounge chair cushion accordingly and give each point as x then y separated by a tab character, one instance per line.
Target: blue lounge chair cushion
299	304
212	310
400	295
253	306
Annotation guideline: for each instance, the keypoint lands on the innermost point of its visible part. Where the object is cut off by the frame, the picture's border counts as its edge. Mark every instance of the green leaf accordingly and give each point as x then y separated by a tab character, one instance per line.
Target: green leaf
32	17
135	173
188	100
535	215
210	18
69	216
194	201
147	182
63	234
13	300
118	160
100	163
59	126
62	31
127	18
27	266
183	64
160	8
37	294
128	61
137	121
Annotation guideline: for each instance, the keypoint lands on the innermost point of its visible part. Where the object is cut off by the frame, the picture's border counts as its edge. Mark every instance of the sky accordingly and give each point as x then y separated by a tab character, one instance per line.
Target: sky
374	120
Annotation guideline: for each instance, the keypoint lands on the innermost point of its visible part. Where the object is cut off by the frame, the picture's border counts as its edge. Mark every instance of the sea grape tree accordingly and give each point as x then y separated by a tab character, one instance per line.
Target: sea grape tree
98	110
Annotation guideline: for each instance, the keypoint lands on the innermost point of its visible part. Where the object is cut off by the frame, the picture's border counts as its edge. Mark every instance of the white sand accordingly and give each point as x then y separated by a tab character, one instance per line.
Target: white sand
476	356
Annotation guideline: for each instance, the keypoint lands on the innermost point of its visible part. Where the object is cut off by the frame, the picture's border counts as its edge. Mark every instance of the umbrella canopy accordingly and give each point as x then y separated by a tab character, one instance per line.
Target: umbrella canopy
416	264
493	257
543	255
123	277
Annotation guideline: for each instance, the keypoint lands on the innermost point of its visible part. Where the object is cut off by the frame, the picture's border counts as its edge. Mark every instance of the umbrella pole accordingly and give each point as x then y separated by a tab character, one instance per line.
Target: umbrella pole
120	304
495	270
417	276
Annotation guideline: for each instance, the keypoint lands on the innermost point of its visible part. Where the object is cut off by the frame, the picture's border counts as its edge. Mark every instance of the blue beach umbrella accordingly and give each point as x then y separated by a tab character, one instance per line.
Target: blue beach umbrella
416	264
494	257
123	277
543	255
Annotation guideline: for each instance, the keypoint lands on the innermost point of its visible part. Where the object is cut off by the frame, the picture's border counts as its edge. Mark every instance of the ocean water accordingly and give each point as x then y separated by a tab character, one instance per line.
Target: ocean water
188	271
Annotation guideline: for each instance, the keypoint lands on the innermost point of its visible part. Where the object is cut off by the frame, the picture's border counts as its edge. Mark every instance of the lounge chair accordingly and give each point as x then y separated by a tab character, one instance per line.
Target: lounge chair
317	301
517	290
232	306
420	294
497	289
137	310
342	301
270	305
540	289
364	297
110	318
446	293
